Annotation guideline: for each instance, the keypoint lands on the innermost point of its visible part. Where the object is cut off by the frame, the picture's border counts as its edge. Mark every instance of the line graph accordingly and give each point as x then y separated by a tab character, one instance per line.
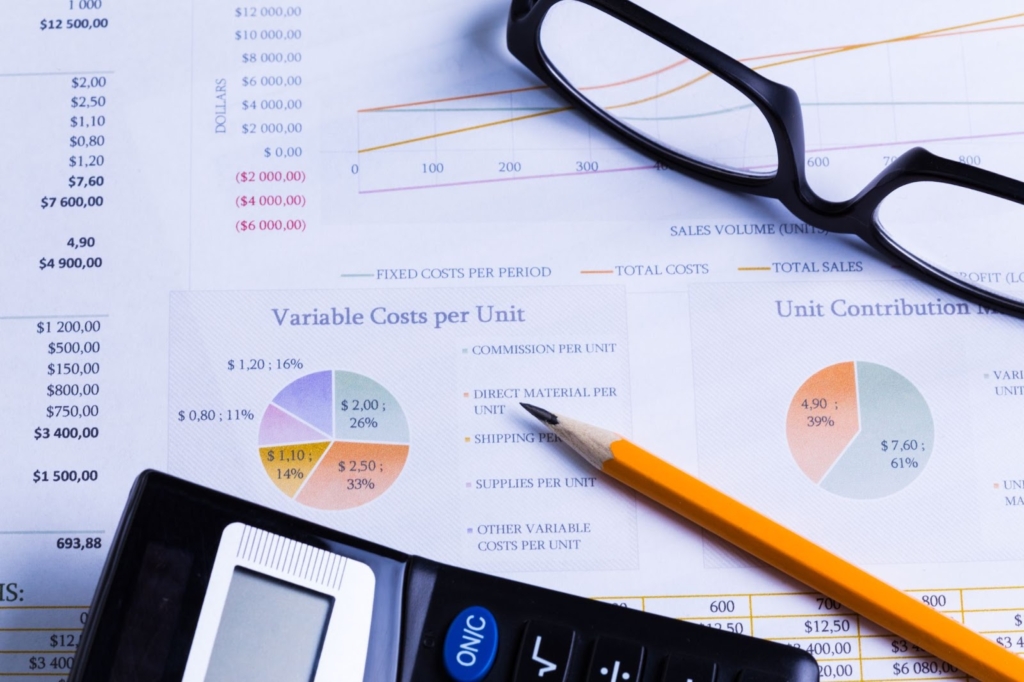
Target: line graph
938	86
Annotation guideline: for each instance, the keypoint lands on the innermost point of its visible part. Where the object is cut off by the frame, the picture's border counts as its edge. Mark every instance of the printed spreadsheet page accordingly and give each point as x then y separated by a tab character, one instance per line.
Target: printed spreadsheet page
314	254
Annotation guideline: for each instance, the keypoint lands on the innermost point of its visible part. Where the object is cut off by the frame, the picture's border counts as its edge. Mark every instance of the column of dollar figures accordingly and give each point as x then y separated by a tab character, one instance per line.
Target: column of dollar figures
86	245
57	87
70	402
273	117
76	179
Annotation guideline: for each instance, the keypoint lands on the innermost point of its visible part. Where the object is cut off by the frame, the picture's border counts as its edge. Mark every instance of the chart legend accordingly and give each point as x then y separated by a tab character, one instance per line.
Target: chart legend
859	429
333	440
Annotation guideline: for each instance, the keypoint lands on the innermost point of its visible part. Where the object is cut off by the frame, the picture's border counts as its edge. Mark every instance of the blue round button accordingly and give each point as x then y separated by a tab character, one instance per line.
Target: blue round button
471	645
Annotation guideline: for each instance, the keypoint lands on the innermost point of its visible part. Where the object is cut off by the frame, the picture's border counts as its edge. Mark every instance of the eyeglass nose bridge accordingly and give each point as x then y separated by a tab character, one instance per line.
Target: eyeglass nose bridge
778	104
781	108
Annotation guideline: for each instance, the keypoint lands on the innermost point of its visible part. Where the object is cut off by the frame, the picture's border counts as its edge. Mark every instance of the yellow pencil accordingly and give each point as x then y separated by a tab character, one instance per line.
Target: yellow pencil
785	550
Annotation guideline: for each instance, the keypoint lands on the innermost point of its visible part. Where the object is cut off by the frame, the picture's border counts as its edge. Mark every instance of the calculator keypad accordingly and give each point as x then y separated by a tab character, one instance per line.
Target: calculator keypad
553	637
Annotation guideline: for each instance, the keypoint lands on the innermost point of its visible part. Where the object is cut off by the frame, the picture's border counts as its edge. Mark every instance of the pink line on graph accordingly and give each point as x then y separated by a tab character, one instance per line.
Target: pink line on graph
519	177
934	139
653	166
900	142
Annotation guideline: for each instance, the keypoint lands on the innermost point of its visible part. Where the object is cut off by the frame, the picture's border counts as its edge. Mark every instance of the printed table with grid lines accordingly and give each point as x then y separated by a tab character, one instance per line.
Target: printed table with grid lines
846	646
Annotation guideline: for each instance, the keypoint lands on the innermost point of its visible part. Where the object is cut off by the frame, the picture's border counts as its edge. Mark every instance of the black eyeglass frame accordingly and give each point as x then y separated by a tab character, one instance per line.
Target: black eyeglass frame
781	108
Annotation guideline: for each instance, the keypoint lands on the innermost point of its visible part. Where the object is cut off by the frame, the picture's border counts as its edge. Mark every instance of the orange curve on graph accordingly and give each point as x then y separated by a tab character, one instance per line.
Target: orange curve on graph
797	56
815	54
817	51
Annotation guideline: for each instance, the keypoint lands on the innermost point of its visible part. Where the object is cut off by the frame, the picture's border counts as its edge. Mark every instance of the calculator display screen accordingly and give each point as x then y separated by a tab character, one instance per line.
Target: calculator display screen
270	631
280	610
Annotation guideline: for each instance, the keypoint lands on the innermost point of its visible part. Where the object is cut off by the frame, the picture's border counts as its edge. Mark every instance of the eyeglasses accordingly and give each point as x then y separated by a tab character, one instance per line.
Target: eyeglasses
696	110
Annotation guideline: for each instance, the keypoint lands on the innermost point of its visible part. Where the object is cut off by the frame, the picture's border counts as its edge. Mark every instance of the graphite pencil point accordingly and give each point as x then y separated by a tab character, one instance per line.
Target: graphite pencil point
541	414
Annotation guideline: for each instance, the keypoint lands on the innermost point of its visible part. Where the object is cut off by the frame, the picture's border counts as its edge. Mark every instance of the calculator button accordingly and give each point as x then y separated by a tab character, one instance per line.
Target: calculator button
544	653
615	661
471	645
689	669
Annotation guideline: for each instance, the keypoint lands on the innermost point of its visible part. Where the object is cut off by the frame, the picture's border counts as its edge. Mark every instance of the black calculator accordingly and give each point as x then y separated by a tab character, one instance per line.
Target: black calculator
203	587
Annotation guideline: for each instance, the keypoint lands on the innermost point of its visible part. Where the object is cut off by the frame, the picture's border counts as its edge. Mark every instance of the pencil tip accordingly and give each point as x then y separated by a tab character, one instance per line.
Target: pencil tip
541	414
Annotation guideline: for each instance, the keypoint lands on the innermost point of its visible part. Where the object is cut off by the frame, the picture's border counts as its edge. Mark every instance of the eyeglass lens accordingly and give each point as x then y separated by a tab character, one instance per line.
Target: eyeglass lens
656	91
971	236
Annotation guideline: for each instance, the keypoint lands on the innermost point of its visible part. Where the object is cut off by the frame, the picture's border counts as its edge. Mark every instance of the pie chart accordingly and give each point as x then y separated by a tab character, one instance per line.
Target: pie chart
333	440
860	430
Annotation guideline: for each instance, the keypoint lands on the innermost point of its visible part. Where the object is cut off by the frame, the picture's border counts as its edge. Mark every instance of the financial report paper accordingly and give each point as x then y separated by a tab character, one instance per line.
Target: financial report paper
314	254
